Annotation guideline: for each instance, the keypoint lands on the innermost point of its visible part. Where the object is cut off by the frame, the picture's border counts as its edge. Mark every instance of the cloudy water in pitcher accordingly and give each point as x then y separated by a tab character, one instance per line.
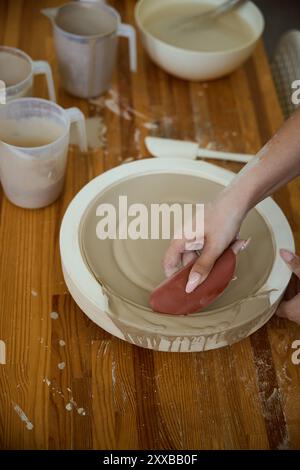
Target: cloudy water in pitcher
228	32
31	132
33	164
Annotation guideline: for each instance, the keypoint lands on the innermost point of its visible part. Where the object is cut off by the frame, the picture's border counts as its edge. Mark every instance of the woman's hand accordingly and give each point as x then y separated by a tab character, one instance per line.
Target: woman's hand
274	166
222	221
290	307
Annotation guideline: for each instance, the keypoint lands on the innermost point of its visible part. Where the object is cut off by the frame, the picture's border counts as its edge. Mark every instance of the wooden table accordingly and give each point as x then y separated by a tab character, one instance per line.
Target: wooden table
110	394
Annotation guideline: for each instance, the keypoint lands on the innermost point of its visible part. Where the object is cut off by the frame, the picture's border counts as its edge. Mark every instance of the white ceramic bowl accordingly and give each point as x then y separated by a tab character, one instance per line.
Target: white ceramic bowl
194	65
174	333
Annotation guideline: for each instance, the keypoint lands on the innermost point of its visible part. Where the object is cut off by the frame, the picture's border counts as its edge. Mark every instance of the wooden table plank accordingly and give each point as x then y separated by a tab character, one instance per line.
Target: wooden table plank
76	384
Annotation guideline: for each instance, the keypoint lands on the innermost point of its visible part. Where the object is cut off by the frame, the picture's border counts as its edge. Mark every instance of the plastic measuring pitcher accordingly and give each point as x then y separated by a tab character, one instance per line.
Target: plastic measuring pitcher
17	70
34	138
86	39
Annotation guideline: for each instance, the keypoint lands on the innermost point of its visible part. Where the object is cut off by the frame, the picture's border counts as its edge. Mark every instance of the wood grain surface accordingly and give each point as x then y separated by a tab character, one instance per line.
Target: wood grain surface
81	388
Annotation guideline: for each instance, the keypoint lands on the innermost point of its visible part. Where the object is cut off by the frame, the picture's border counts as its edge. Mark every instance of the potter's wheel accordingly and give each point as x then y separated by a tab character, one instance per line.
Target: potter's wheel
115	277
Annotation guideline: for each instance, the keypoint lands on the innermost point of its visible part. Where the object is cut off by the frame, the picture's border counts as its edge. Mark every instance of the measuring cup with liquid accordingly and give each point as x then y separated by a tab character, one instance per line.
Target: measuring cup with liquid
86	40
34	139
17	71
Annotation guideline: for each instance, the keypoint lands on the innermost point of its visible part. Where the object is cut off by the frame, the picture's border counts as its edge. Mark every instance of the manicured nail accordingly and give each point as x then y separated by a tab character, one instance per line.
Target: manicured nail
287	255
193	246
240	245
245	244
193	282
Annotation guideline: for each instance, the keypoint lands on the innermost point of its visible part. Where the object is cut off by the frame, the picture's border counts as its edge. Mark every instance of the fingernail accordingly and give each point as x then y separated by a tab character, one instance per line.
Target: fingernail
193	246
193	282
245	244
240	245
287	255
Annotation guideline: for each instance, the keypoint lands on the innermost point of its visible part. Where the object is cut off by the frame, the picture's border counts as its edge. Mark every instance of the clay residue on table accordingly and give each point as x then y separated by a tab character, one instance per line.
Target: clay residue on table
95	130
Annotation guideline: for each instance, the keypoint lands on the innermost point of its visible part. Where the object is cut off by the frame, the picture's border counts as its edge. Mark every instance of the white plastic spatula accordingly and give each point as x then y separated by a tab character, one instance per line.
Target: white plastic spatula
170	148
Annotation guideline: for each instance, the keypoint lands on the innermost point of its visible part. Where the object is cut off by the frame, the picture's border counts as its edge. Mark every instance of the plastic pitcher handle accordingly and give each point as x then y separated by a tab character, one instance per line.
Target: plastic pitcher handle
2	92
50	13
127	31
41	67
77	117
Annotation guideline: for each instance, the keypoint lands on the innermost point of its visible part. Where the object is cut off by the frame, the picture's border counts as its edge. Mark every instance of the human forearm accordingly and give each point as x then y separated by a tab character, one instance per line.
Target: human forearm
275	165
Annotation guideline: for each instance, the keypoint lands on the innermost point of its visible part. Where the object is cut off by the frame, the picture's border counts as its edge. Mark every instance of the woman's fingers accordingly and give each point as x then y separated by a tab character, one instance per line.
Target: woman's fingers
290	309
240	245
194	245
202	267
206	261
188	257
292	260
172	258
293	288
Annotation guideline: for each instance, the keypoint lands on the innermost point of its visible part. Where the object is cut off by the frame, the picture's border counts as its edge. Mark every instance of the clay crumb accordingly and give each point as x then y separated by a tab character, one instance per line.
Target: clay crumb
96	133
23	417
211	146
151	126
285	444
54	315
81	411
113	374
137	136
62	343
114	106
167	121
34	293
61	365
69	406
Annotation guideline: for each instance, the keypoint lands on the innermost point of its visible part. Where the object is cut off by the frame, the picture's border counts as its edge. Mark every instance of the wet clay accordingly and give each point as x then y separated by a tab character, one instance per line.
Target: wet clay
225	33
76	19
30	132
128	270
13	69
